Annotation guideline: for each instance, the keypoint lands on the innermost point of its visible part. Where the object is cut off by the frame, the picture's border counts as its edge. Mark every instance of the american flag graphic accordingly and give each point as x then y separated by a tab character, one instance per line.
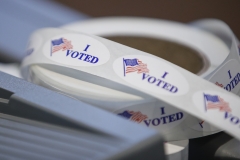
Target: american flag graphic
60	44
134	65
216	102
134	116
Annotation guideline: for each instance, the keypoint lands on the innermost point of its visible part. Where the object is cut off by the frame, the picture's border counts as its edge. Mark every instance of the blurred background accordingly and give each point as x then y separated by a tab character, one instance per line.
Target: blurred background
181	10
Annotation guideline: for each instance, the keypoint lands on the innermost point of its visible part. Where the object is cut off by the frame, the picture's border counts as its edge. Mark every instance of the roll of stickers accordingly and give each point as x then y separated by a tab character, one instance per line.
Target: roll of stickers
153	92
205	45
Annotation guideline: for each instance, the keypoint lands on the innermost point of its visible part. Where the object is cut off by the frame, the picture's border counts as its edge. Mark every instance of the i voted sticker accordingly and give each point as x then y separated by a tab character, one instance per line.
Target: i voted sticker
76	50
151	74
228	80
218	105
158	116
229	77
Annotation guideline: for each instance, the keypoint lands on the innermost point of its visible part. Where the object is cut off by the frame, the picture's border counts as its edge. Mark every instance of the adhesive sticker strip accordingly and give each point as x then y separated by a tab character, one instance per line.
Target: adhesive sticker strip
145	27
176	86
115	101
149	28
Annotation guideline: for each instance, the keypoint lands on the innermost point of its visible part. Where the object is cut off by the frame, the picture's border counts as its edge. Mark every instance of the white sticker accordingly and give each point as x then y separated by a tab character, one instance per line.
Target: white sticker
151	74
161	117
76	50
228	76
217	105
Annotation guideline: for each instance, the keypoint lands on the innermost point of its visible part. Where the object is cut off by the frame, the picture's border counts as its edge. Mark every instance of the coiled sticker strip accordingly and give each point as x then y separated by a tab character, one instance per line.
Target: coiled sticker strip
132	71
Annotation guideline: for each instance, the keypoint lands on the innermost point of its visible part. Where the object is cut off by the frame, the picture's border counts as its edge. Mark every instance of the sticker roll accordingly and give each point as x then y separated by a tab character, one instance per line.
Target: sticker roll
154	85
161	30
